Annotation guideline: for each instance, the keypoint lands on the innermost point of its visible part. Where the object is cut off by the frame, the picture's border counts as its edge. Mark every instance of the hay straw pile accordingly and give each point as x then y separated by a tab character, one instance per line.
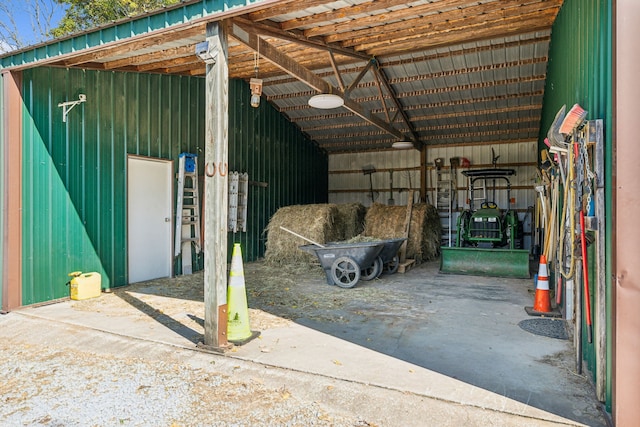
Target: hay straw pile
321	223
387	222
350	220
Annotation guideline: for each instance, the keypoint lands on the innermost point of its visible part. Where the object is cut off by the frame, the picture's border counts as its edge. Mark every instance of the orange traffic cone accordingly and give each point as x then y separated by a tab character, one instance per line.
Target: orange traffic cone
238	331
542	301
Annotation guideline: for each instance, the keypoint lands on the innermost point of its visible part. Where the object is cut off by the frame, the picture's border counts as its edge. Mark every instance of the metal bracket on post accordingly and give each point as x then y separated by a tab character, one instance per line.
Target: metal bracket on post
67	106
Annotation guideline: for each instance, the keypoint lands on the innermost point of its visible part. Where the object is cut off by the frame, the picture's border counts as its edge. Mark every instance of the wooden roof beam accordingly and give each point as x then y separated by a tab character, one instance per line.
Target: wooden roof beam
431	105
437	10
345	12
394	99
445	22
250	39
284	7
136	44
297	37
151	57
485	31
427	16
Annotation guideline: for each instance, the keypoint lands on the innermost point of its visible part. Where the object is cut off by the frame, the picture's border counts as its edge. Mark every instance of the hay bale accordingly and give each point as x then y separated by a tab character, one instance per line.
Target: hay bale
387	222
350	219
316	222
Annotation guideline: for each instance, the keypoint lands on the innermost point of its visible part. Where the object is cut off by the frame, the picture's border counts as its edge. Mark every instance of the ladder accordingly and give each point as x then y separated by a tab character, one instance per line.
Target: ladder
445	195
187	211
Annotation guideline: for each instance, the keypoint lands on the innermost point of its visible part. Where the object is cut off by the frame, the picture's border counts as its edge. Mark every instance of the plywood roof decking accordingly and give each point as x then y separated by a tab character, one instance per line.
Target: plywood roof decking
439	71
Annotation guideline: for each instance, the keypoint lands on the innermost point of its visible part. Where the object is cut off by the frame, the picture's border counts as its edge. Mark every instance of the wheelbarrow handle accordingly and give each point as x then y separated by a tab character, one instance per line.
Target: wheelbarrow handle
302	237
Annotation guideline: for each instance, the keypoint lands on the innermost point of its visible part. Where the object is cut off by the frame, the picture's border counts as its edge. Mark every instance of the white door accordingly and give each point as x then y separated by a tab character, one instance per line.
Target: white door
149	213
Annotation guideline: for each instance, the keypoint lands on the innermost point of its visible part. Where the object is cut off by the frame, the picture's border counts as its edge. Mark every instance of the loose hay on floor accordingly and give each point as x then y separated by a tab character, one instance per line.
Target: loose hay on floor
387	222
321	223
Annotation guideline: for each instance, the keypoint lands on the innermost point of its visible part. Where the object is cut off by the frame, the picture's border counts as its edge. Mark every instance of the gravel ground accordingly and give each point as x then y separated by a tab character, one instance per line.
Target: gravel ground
62	386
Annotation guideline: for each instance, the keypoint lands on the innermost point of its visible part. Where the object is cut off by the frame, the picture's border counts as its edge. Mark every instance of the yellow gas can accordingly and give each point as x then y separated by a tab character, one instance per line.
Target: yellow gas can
85	285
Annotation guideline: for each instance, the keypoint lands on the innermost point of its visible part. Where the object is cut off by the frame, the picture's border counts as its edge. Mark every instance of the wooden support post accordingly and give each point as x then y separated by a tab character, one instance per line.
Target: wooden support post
215	189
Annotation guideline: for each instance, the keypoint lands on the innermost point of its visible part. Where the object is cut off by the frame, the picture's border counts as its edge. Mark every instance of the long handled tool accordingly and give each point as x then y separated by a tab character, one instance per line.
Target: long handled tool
585	278
302	237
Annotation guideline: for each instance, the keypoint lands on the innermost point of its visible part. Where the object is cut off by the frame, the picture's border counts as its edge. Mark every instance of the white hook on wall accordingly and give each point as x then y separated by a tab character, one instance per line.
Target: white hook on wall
67	106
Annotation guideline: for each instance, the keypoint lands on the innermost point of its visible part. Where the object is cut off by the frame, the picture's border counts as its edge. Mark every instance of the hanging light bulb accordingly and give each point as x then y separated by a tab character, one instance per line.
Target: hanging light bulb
256	91
255	83
255	101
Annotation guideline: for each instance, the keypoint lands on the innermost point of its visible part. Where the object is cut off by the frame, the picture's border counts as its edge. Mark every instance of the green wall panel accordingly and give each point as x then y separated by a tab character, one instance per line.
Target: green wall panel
74	173
74	197
580	71
271	150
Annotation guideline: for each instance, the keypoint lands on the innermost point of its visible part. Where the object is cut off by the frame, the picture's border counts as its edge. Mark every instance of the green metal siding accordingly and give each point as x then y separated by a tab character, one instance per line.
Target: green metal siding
580	71
74	196
270	149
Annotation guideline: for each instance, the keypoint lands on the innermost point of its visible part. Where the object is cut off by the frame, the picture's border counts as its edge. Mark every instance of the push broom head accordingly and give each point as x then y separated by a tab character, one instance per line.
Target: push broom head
574	118
554	136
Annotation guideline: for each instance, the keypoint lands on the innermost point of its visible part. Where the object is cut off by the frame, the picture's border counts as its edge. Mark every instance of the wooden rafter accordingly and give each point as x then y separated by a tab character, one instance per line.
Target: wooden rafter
531	109
161	55
296	37
394	99
481	31
428	106
344	13
250	38
388	62
416	23
432	91
478	125
140	43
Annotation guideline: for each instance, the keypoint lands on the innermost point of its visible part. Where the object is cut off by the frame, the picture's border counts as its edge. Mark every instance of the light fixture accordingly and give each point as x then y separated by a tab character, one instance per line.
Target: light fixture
255	83
256	91
326	101
402	145
203	52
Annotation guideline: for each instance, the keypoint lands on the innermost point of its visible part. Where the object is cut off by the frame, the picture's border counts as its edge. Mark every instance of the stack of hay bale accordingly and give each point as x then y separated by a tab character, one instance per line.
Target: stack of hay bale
321	223
387	222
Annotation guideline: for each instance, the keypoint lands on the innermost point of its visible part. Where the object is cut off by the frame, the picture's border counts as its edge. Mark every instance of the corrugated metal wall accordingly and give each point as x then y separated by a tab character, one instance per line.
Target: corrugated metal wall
74	214
580	71
274	152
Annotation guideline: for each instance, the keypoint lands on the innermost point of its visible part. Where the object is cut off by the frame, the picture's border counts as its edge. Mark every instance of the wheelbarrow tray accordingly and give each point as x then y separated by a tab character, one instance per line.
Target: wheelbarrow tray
390	249
363	253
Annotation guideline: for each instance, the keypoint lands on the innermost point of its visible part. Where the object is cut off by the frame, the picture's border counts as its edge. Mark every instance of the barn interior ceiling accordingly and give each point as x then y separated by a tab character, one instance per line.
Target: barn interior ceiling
431	72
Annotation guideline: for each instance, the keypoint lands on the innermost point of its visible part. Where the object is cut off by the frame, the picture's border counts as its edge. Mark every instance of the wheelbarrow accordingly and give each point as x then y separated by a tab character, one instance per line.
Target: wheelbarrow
342	261
386	262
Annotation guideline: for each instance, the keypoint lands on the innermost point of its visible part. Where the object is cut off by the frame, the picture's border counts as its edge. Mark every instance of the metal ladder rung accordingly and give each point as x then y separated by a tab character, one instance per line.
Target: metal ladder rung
187	214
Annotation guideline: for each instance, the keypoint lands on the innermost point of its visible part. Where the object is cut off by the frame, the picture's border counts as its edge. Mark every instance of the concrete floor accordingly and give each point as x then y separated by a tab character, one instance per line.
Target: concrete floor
448	337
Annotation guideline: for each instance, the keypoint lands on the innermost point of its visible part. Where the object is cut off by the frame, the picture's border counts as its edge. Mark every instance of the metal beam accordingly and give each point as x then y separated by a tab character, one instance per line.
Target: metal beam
250	38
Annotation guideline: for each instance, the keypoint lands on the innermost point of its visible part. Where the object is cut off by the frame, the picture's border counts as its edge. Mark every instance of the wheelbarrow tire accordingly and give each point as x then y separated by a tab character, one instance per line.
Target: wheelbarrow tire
374	271
392	266
345	272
